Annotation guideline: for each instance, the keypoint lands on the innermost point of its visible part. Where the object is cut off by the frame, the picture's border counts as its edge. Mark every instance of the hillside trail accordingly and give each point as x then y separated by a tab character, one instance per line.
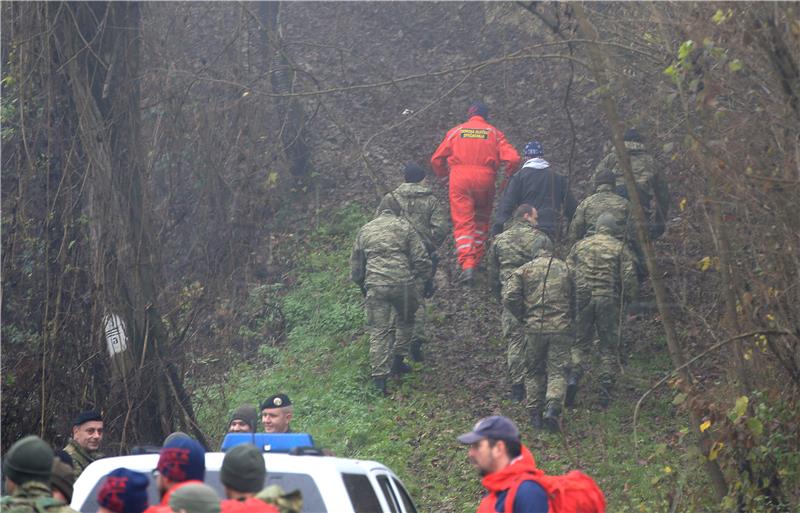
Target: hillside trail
465	364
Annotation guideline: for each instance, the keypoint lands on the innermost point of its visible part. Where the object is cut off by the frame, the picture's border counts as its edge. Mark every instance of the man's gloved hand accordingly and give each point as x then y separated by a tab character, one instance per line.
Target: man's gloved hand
430	288
363	290
497	229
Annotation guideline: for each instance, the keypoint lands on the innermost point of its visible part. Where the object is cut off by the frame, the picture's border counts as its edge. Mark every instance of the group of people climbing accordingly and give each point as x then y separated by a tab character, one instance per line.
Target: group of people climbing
552	306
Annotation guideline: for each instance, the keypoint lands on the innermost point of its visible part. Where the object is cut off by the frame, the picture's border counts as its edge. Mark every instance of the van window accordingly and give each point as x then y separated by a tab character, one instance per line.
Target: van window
361	493
386	488
312	499
405	497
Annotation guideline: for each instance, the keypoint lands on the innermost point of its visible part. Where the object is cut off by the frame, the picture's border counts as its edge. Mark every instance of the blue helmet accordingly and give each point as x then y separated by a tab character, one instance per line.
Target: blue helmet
533	149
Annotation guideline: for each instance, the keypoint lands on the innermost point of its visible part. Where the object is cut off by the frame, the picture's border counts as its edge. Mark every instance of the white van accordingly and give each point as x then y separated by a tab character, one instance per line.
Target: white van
328	484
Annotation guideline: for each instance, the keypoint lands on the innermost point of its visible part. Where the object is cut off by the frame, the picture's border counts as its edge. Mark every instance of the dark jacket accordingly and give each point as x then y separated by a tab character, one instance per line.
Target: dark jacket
538	185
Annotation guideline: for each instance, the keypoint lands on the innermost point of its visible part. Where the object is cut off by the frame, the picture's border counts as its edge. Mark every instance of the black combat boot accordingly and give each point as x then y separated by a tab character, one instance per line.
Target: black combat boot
399	366
605	396
416	350
536	419
467	277
551	418
572	388
380	384
517	392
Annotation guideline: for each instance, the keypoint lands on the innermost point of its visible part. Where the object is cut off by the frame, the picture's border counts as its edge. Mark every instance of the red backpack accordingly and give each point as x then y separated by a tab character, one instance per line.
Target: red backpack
573	492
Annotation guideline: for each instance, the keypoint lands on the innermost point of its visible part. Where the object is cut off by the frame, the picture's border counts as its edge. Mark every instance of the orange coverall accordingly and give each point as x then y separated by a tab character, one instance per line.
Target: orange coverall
471	153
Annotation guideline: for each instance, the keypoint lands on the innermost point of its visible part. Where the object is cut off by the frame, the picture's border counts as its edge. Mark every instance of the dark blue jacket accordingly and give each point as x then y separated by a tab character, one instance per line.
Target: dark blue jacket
544	189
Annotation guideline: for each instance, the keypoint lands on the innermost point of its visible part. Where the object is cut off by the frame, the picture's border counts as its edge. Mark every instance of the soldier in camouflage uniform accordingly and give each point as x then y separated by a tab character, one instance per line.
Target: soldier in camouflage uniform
604	275
653	190
27	468
87	435
511	249
607	200
391	265
541	294
604	200
417	204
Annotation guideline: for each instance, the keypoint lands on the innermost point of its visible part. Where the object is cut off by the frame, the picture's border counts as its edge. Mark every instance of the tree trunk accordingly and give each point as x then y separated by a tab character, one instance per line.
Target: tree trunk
100	45
609	104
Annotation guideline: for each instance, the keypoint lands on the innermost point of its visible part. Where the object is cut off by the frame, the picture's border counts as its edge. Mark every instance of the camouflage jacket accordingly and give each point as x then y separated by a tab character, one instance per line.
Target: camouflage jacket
649	182
424	211
602	201
33	497
388	251
541	294
81	458
291	502
603	266
511	249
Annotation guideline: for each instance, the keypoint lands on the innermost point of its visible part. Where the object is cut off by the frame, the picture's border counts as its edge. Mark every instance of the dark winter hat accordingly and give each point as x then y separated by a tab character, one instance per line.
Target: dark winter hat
30	459
276	401
86	416
174	436
478	109
243	469
413	172
62	478
605	176
124	491
496	427
182	459
633	135
246	413
195	498
533	149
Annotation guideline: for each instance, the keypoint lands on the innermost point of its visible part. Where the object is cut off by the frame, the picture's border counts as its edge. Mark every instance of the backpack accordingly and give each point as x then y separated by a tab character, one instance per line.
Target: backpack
573	492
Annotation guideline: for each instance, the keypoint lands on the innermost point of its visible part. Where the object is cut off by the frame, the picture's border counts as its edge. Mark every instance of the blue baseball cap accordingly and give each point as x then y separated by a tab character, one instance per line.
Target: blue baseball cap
496	427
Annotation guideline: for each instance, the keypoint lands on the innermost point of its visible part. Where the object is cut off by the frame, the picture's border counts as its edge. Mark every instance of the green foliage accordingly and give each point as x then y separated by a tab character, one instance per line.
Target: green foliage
323	366
765	451
14	336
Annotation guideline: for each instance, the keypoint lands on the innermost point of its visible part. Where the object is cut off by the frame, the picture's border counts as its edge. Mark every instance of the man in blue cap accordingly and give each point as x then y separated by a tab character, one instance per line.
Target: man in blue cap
538	185
508	469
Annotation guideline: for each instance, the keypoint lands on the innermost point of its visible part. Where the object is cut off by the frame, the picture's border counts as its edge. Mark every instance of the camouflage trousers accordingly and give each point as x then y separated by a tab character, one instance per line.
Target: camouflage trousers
514	335
390	324
419	333
602	313
547	361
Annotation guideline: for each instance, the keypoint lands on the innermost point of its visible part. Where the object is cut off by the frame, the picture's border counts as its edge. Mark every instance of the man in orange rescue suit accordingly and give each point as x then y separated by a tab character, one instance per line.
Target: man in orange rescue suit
471	154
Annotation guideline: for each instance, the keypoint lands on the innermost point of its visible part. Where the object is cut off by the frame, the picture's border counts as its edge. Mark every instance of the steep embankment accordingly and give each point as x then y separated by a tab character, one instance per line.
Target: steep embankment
322	365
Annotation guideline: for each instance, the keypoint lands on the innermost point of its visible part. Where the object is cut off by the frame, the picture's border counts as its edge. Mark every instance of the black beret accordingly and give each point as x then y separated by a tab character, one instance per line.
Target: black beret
633	135
413	172
276	401
87	416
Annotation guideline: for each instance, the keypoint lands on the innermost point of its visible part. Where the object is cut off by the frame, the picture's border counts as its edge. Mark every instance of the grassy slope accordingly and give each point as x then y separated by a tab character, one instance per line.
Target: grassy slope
323	366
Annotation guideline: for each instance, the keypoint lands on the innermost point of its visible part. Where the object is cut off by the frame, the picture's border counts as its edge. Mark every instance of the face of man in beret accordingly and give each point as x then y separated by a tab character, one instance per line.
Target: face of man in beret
89	435
276	420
